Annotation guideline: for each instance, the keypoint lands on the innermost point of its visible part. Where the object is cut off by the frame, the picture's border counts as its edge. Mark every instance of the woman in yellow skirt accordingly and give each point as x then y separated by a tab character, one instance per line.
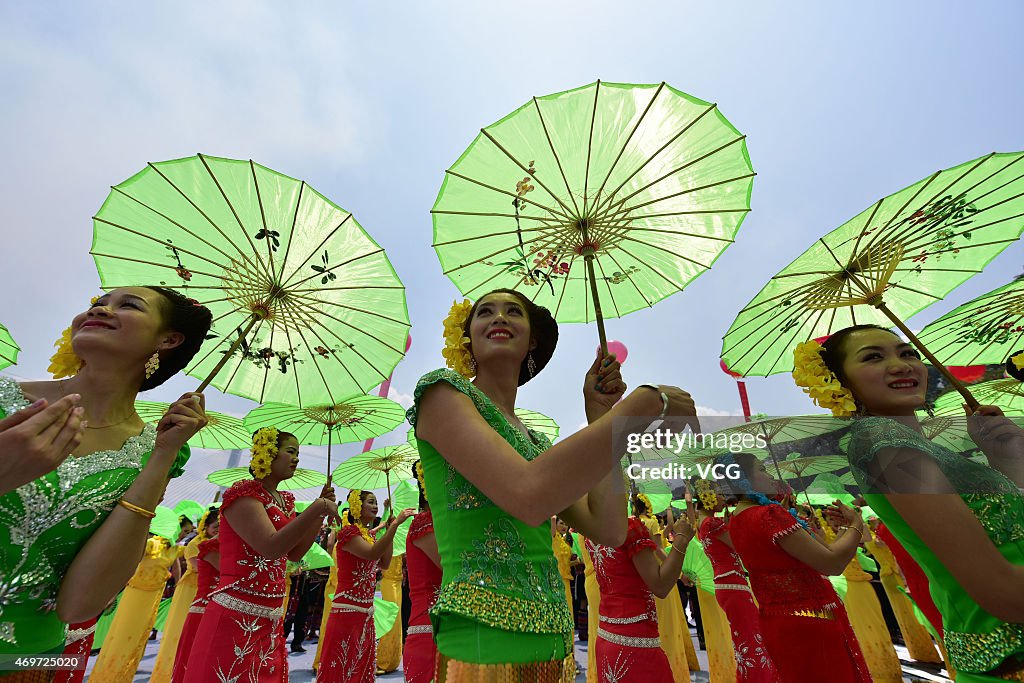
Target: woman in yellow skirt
593	605
672	629
869	625
184	594
915	636
389	648
136	612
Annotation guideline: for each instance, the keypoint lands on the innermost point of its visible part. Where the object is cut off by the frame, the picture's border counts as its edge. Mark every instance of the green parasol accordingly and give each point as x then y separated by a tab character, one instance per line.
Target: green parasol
401	536
657	491
191	509
377	468
987	329
302	479
1006	393
8	349
826	488
595	202
406	495
697	567
306	307
165	524
221	433
316	558
894	259
355	418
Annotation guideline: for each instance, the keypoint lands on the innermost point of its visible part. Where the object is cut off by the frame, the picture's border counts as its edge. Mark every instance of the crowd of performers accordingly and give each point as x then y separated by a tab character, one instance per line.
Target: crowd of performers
489	572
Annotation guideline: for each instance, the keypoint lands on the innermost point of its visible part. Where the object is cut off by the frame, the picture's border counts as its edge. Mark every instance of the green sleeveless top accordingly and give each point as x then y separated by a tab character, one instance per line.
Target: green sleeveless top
47	521
975	640
496	570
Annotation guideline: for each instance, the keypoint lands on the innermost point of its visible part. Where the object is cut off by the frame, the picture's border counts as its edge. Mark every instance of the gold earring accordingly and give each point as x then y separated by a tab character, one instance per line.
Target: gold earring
153	364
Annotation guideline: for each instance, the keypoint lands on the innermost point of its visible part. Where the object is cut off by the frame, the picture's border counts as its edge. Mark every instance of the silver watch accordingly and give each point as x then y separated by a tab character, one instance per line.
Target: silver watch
664	397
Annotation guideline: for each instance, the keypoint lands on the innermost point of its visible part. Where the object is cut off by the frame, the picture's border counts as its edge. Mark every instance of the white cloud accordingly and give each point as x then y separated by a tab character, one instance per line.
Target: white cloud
404	399
715	412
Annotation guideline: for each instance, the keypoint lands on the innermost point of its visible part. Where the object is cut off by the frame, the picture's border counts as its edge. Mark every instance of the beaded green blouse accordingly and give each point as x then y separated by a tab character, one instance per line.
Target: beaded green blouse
497	570
47	521
975	640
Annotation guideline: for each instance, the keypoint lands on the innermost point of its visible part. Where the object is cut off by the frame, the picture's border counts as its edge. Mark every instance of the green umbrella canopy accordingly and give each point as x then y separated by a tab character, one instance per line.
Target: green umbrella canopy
165	524
222	432
316	558
356	418
628	190
405	495
302	479
1007	393
8	349
191	509
987	329
697	567
376	469
322	311
901	254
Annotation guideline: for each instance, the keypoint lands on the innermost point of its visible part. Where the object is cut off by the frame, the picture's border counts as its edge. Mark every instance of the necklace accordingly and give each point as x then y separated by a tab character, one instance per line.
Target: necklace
63	393
276	495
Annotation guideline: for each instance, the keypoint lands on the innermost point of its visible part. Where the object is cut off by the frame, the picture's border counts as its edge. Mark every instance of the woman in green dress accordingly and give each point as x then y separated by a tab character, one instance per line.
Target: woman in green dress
71	538
962	521
493	484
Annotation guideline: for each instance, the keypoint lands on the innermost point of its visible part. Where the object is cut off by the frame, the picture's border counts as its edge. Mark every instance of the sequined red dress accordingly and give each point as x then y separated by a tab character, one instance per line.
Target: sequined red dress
241	636
207	578
628	646
804	624
753	665
79	642
349	654
424	585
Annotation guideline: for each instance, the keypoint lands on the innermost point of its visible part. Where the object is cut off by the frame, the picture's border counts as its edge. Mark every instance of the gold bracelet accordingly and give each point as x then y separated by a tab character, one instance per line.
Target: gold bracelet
148	514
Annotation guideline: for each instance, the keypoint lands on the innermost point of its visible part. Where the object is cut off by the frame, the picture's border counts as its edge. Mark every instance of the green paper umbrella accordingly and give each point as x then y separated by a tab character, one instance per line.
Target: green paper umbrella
357	418
165	524
222	432
401	536
316	558
595	202
697	567
8	349
190	509
538	422
839	583
899	256
306	307
406	495
1006	393
302	479
826	488
657	491
987	329
376	469
800	467
384	615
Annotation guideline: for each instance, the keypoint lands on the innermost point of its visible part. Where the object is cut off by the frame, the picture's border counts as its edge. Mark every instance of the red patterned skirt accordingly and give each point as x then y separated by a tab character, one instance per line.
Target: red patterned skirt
349	653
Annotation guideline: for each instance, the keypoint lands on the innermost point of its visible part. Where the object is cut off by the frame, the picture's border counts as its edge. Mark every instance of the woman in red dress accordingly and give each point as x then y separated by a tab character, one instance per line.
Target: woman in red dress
208	574
350	643
805	627
753	665
628	646
424	563
240	636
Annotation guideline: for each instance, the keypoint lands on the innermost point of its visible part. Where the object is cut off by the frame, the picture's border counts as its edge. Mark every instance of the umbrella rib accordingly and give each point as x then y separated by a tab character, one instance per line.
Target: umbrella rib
565	286
966	230
590	149
549	209
347	289
651	158
376	252
151	263
608	286
554	153
525	170
789	344
480	259
927	227
680	233
295	222
166	218
797	311
288	281
864	230
671	173
231	207
493	214
625	144
263	218
630	277
472	238
680	194
308	298
627	238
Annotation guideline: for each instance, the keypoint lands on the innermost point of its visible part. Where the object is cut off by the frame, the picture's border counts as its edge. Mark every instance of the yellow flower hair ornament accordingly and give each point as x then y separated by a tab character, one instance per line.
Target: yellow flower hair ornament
65	362
355	511
264	450
820	383
456	351
707	495
1018	360
826	528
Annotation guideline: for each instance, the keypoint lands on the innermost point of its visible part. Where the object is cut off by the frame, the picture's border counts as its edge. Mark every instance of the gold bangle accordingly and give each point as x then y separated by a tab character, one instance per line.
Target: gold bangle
148	514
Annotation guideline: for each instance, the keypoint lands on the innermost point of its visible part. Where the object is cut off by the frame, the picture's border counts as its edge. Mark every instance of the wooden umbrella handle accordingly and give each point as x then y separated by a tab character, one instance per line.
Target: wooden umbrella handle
223	361
589	258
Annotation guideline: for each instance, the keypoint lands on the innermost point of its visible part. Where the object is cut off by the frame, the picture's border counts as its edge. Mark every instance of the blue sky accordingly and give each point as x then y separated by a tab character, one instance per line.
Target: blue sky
842	103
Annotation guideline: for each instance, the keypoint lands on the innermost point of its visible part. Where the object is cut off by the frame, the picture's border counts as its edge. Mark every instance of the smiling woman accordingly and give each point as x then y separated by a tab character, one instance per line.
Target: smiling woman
961	521
71	536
